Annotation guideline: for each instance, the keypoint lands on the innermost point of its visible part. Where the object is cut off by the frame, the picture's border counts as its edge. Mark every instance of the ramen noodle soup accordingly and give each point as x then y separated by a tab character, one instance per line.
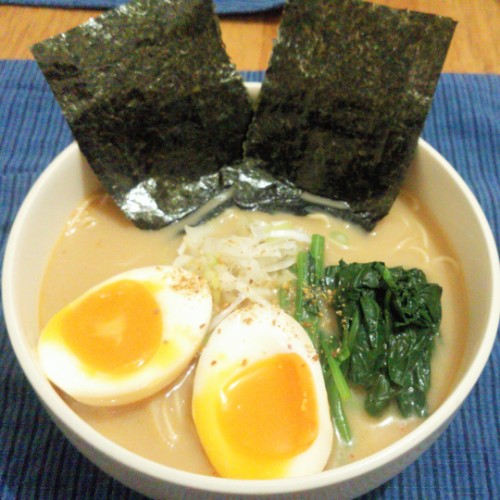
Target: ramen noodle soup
98	243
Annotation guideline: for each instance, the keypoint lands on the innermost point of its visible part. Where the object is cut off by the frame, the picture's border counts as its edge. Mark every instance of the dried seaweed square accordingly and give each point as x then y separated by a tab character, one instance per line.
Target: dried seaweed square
153	102
345	98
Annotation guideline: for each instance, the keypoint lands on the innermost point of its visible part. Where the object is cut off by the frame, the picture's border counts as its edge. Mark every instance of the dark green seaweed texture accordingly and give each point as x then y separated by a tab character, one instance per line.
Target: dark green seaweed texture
388	319
154	103
345	98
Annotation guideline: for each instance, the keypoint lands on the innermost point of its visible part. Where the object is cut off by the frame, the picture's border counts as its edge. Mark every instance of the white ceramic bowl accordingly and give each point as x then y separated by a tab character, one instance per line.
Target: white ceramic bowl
68	180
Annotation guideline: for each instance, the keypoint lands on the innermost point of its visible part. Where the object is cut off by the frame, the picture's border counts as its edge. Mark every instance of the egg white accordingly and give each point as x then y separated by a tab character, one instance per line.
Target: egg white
185	303
247	336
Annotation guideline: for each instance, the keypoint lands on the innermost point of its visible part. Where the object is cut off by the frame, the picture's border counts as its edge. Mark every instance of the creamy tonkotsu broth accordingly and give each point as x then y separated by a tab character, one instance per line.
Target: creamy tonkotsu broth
99	242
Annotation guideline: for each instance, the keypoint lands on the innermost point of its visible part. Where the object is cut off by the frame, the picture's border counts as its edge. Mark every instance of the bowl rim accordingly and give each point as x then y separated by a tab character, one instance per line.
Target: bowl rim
56	406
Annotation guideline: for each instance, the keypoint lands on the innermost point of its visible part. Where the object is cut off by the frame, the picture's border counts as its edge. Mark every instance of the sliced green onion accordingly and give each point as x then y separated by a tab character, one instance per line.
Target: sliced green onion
284	299
339	237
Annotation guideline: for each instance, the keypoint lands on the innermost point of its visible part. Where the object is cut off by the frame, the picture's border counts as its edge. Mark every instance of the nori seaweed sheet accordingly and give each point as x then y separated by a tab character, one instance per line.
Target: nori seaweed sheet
153	102
345	98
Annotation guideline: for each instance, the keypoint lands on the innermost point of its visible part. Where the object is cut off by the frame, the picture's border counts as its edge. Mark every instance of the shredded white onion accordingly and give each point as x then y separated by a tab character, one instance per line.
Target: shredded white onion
236	268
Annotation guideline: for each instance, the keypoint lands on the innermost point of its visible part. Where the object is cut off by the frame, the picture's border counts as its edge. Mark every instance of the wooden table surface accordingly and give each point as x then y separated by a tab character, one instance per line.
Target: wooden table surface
475	47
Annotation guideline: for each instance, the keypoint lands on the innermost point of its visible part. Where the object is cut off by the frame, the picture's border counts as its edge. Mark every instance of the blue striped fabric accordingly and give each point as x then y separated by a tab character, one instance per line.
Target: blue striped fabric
37	462
221	6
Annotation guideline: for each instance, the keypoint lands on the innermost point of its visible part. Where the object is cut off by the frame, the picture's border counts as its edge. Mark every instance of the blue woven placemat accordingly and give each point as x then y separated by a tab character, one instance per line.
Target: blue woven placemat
37	462
221	6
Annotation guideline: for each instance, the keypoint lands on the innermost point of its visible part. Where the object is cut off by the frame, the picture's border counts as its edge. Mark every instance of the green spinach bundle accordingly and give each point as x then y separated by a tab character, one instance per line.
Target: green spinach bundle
386	323
388	319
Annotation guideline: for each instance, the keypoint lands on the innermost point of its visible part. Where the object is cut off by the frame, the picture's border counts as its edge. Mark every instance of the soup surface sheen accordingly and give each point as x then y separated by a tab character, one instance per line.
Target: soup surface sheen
98	242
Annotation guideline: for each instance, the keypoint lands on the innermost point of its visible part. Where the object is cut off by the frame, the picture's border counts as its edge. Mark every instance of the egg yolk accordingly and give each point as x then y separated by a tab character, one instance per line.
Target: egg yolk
116	328
268	411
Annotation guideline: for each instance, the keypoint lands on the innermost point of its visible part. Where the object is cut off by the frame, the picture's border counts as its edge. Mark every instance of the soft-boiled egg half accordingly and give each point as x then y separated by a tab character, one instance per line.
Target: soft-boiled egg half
127	337
260	405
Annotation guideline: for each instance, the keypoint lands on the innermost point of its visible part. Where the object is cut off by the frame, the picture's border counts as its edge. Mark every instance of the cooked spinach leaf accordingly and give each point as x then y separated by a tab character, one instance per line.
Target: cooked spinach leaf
386	323
388	319
307	300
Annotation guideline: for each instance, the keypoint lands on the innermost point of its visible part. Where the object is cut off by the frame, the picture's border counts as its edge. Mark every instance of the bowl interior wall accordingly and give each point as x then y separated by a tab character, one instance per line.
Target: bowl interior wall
446	200
69	184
